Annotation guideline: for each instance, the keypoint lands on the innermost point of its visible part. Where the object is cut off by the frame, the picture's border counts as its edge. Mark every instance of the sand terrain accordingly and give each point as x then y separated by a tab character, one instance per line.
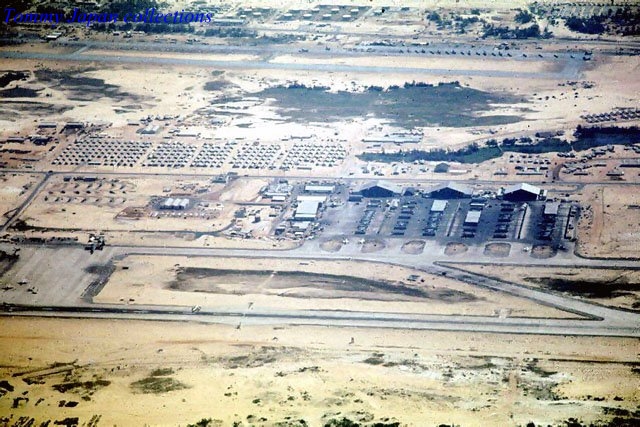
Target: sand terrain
182	281
262	375
612	287
609	224
13	190
122	372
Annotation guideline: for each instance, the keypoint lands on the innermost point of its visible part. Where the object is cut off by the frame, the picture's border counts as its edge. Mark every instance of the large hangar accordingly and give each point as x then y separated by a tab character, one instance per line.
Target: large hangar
450	190
380	189
522	192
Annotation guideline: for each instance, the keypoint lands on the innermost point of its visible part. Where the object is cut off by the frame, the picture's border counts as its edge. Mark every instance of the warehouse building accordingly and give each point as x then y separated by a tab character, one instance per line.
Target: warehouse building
175	204
307	210
321	189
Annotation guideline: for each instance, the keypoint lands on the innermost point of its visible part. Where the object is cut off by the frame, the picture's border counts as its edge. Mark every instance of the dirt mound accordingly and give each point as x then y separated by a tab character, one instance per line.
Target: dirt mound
333	245
497	249
543	251
455	248
372	246
413	247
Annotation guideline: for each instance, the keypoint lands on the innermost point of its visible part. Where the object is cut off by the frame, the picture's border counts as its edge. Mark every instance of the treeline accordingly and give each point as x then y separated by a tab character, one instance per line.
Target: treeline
473	153
585	138
622	21
230	32
592	25
597	136
237	32
159	28
518	33
303	86
374	88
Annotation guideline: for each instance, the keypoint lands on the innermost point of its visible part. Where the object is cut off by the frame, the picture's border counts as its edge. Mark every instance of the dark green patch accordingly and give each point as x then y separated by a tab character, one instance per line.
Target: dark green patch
217	85
10	76
310	280
7	261
161	372
375	359
157	385
81	88
19	92
6	385
81	386
620	286
414	105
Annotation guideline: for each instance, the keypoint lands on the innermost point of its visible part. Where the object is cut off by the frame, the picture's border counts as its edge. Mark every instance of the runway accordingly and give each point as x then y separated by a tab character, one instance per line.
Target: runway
65	296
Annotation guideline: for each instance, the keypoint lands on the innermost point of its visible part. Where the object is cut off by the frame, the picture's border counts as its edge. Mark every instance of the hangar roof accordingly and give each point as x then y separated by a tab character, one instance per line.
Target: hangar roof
464	189
524	187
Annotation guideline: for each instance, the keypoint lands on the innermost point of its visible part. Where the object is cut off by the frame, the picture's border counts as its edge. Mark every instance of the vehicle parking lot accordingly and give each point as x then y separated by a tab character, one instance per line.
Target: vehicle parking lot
471	221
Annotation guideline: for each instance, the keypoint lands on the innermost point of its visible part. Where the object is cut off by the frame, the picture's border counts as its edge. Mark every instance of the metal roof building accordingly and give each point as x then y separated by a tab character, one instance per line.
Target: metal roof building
551	208
306	210
473	217
171	203
438	206
168	203
323	189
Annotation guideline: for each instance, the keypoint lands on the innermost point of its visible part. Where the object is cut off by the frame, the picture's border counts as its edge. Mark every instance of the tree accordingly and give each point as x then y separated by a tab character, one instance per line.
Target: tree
205	422
523	17
434	17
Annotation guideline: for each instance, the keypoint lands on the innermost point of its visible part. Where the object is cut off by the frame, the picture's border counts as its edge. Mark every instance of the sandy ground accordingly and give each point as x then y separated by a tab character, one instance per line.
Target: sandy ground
14	188
548	104
108	201
628	297
418	378
148	280
262	375
608	227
